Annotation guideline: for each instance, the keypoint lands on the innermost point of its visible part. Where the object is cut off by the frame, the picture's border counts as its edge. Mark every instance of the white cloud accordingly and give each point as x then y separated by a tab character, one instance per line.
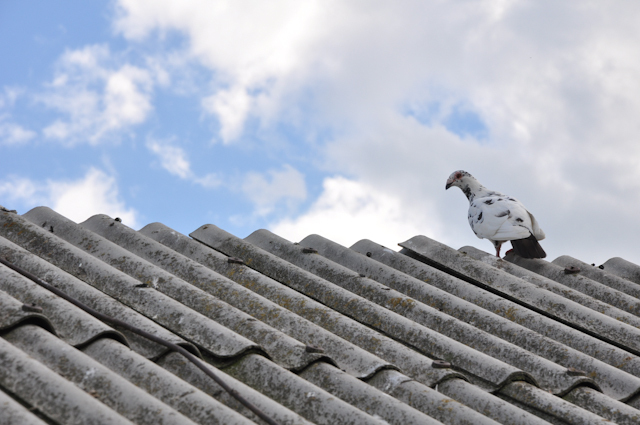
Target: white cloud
265	190
19	189
126	99
348	211
255	48
100	96
14	134
287	185
95	193
525	74
211	180
555	85
10	95
174	159
232	108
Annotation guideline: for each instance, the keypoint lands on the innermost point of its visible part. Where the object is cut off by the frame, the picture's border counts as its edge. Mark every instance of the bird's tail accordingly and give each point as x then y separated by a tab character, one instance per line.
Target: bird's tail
528	248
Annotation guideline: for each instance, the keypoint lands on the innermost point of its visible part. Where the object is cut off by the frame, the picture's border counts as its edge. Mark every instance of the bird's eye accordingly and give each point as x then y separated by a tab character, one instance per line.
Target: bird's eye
458	175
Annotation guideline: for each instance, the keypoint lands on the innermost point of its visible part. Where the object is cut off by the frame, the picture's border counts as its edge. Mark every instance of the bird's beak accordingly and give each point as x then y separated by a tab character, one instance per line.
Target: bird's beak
448	185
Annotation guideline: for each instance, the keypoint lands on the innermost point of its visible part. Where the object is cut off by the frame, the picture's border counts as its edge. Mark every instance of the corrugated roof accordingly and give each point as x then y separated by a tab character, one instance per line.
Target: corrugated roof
309	332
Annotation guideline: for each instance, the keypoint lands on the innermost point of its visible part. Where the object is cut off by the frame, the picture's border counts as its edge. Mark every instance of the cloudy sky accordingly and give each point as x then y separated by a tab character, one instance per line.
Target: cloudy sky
342	118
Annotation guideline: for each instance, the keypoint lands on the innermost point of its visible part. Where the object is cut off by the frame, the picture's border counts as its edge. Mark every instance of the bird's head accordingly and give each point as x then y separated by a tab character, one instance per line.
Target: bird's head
457	178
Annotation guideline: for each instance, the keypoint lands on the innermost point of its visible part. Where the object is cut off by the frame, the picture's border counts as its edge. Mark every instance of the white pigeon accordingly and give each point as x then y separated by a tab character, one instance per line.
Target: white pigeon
499	218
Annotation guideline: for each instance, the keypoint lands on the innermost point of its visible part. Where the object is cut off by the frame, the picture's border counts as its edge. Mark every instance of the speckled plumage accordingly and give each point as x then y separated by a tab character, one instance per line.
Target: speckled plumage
499	218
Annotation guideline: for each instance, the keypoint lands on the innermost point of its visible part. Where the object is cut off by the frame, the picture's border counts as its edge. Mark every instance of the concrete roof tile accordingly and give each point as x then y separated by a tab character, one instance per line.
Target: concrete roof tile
48	393
95	299
572	292
14	413
310	333
187	323
614	381
13	312
604	277
94	378
623	268
527	294
71	324
489	371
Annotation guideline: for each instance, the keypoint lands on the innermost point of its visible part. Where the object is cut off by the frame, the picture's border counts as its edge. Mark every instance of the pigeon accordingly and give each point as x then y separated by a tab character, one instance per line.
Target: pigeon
499	218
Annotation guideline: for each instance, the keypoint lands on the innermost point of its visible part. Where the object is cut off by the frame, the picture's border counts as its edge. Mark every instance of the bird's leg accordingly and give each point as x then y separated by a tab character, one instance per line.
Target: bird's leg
498	245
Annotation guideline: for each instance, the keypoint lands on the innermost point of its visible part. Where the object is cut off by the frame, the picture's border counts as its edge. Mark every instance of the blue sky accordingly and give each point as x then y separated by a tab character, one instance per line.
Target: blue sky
337	118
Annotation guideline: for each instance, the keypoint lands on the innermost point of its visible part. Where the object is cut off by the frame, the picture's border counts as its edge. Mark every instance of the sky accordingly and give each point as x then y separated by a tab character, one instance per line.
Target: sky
339	118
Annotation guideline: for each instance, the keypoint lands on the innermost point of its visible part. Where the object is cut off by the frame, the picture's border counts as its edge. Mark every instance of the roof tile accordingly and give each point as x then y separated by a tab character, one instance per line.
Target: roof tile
312	332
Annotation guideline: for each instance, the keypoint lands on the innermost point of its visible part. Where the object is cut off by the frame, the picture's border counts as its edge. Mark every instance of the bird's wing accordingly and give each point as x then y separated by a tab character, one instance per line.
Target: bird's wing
499	218
537	231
